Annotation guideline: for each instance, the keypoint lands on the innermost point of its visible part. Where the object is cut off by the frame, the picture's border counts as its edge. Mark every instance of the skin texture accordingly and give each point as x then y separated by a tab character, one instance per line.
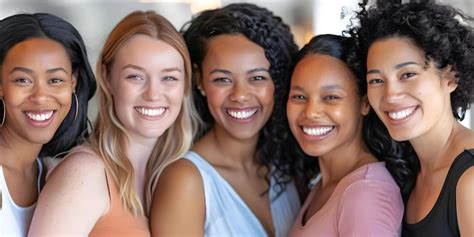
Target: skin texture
138	85
37	80
146	72
397	81
233	79
325	115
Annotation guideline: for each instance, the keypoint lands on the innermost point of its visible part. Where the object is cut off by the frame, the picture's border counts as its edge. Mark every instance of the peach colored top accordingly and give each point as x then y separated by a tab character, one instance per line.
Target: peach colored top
118	221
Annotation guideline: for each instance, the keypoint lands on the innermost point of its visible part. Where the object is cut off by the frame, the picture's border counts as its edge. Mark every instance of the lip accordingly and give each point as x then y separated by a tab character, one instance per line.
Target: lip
40	118
151	113
316	132
406	113
242	115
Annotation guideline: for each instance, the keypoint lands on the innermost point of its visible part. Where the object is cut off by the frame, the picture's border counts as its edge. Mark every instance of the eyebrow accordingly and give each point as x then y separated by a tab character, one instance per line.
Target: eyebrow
398	66
332	87
259	69
298	88
171	69
30	71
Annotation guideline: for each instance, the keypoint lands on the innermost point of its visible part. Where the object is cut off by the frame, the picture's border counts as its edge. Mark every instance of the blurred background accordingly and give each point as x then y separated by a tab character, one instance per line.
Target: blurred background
95	18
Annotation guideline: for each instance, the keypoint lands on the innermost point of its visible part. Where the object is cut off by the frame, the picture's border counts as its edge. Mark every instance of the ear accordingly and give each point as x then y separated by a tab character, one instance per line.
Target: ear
364	105
74	80
198	77
449	78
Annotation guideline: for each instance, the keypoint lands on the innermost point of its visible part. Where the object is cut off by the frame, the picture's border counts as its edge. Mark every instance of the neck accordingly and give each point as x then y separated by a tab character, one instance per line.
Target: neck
138	152
433	146
342	160
234	152
17	154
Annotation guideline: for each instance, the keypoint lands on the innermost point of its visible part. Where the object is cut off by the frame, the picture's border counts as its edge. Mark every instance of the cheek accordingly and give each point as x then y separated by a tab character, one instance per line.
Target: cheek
175	94
266	95
215	97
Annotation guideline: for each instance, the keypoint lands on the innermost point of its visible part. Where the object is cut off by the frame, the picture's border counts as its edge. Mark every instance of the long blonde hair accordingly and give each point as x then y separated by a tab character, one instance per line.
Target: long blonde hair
110	137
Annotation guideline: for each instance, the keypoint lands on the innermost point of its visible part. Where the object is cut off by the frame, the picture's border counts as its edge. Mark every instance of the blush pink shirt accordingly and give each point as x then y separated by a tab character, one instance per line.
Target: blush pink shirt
366	202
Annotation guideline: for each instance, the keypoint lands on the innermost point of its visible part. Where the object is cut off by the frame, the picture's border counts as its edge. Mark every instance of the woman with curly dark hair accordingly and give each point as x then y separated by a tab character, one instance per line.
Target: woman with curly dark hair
229	183
419	59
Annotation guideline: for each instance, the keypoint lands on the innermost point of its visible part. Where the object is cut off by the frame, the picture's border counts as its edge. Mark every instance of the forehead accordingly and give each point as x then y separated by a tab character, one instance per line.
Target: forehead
234	50
394	50
318	70
37	52
149	53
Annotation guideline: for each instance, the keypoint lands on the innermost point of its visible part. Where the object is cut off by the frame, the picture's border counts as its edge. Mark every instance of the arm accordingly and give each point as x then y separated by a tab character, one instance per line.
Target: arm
370	208
178	207
73	199
464	207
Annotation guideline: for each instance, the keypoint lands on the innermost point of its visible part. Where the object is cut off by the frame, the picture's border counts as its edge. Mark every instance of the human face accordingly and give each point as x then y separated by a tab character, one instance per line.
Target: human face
409	98
324	109
238	85
147	83
37	85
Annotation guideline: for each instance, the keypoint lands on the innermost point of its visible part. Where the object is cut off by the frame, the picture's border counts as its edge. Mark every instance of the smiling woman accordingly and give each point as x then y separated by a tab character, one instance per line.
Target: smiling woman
146	121
46	82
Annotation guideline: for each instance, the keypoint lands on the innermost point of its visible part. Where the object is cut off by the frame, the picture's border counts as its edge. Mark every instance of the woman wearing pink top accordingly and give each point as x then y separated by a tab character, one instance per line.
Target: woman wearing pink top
354	193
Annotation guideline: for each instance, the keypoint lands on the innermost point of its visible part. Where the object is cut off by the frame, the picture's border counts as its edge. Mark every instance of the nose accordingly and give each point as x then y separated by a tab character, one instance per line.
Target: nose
39	93
240	92
313	110
393	91
152	90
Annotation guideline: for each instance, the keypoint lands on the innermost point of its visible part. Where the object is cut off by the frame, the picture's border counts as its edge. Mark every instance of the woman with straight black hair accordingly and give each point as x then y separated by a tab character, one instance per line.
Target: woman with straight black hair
45	85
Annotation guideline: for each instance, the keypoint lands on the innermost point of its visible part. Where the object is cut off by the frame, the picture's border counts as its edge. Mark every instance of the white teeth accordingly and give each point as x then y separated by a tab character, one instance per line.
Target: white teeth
241	114
150	112
317	131
39	117
398	115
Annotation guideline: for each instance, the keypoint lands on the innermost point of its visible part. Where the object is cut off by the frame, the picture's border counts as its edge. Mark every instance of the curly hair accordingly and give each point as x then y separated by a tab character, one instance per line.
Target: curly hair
262	27
444	36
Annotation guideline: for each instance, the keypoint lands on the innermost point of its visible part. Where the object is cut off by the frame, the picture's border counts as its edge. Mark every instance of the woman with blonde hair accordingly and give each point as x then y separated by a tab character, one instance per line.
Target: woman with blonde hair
146	120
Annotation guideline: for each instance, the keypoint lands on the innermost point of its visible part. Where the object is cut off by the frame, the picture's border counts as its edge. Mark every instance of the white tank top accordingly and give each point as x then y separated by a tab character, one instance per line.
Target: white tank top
15	220
228	215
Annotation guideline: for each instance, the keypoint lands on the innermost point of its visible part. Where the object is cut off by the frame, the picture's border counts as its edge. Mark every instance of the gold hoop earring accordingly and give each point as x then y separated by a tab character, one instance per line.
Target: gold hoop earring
77	105
4	113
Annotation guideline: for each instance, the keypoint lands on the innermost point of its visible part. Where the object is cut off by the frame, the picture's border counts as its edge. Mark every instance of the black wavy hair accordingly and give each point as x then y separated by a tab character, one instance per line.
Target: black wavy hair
377	140
18	28
262	27
444	36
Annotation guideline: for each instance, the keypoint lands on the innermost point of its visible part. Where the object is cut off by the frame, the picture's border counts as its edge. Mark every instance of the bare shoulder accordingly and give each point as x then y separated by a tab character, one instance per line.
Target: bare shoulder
75	190
465	184
464	207
78	162
178	201
181	175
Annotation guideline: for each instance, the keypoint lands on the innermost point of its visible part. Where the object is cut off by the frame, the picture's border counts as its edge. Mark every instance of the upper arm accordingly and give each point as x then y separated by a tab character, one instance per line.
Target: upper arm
370	208
73	199
464	206
178	207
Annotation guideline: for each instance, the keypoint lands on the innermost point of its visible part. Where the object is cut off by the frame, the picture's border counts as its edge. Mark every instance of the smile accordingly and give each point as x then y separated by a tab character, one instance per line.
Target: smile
401	114
150	112
242	114
318	131
40	117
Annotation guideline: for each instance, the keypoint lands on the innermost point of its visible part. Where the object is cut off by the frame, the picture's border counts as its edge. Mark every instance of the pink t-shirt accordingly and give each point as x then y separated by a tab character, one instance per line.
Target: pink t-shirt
367	202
